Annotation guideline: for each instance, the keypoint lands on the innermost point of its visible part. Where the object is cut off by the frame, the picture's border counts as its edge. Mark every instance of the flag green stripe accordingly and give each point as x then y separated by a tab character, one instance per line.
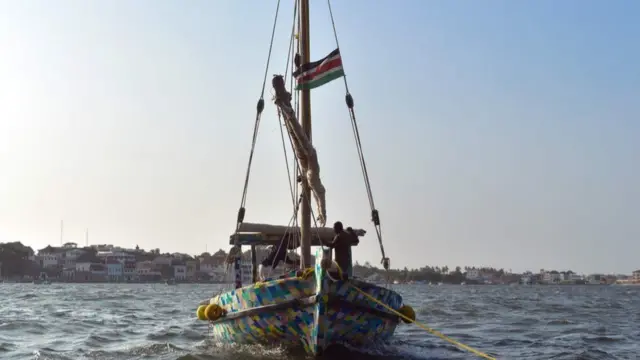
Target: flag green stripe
321	80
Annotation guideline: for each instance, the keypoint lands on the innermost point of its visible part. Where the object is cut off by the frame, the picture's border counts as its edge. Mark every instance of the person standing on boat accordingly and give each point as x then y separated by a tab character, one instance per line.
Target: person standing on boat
277	254
341	245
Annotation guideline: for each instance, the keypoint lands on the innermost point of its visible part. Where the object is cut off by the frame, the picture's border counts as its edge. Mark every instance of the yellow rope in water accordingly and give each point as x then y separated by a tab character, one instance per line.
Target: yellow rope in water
426	328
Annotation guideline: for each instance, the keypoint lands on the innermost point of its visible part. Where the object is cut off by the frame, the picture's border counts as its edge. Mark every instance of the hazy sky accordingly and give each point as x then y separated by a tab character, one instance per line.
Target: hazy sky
498	133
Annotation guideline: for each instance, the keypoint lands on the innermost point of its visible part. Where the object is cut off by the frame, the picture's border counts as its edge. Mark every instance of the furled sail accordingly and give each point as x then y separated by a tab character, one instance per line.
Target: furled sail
304	151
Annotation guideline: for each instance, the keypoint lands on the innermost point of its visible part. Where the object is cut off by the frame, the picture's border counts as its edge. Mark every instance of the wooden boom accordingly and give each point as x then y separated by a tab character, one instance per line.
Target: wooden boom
267	234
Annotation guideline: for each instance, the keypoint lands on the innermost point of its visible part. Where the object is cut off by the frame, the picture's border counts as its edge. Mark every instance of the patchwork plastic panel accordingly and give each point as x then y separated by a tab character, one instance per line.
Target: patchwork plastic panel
314	327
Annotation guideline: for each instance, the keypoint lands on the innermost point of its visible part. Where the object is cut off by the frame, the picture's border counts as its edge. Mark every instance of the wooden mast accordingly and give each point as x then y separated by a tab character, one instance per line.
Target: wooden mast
305	122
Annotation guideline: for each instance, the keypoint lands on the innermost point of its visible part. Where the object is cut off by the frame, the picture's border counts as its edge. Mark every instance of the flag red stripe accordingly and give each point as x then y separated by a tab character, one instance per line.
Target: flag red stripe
324	67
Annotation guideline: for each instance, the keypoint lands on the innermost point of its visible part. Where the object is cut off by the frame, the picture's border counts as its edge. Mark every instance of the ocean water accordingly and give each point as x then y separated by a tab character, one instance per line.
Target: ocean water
155	321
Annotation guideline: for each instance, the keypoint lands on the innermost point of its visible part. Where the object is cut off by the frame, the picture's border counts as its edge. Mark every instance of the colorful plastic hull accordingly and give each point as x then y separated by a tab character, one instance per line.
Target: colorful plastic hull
312	313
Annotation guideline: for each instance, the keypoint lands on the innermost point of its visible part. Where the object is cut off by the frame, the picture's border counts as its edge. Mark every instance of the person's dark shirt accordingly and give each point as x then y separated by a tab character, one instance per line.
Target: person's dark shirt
277	254
341	244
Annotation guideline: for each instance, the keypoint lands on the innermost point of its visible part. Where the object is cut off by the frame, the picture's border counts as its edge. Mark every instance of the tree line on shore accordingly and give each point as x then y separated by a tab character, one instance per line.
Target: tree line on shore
433	274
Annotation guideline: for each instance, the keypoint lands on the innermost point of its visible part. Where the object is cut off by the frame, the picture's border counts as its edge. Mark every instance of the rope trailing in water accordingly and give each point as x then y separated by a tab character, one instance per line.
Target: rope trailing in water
326	265
375	216
425	327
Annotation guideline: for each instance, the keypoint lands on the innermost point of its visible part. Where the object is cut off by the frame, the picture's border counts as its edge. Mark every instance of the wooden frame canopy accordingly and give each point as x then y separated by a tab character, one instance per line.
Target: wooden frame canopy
267	234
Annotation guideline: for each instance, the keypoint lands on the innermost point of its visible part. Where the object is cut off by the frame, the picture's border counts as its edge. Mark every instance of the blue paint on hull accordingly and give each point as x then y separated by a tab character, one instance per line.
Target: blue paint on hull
333	313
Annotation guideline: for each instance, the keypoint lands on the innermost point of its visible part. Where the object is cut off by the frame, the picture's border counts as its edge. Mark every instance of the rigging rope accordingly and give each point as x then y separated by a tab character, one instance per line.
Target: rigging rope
259	109
406	318
286	162
424	327
292	220
291	40
284	147
290	178
375	216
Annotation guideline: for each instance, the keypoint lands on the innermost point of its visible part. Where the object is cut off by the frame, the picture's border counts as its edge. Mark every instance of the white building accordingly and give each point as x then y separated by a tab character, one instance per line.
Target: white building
551	277
70	257
50	260
180	272
635	276
207	266
114	270
474	274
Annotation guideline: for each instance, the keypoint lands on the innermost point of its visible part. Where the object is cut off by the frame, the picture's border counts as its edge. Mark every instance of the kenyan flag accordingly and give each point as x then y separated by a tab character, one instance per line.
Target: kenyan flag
318	73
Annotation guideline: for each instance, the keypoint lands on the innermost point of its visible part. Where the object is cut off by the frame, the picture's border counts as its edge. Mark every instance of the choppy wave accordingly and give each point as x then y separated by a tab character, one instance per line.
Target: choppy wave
104	322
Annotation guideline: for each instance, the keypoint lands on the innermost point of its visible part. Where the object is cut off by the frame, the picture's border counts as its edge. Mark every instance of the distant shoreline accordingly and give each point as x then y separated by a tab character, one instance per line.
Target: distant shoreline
164	282
9	281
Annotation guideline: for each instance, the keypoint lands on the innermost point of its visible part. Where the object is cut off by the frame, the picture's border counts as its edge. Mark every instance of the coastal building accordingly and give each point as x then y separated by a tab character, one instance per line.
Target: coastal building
129	272
480	276
551	277
51	260
98	271
192	268
146	271
70	256
208	265
474	274
180	272
69	274
635	276
50	257
219	258
90	272
83	266
161	260
120	256
114	270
